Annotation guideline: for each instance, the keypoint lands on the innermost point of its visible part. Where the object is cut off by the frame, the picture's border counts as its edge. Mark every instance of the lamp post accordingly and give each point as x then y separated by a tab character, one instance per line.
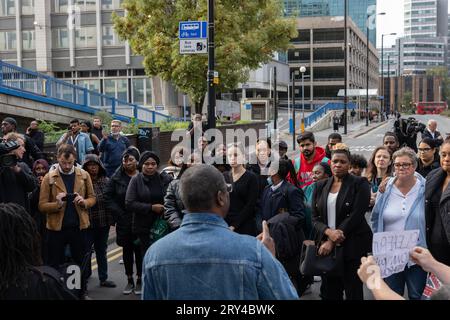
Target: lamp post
382	67
293	110
389	83
303	70
367	65
345	66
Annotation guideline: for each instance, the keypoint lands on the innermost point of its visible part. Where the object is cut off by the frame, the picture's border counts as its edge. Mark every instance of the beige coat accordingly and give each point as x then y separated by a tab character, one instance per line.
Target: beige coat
52	185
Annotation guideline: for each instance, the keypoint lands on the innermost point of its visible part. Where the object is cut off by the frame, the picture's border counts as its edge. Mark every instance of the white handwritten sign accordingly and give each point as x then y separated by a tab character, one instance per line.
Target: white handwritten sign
391	250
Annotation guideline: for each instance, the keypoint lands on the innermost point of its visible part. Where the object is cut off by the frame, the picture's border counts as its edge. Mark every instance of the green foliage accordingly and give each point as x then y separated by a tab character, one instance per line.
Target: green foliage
407	103
247	33
442	72
52	132
171	125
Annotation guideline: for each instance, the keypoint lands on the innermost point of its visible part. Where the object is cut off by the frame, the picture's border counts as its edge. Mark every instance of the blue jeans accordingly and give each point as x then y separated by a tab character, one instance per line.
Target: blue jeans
99	238
414	278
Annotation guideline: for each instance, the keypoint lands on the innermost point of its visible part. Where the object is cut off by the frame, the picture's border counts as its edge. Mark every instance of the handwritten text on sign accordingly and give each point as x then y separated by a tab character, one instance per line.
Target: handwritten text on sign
391	250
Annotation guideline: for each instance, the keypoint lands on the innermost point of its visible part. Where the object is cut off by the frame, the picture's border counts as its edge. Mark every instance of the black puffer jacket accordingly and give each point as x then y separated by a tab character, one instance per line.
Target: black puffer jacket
173	206
139	200
116	191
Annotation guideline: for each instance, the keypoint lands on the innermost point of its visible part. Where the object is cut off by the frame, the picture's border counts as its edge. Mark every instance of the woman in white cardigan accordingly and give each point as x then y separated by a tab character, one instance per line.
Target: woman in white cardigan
402	207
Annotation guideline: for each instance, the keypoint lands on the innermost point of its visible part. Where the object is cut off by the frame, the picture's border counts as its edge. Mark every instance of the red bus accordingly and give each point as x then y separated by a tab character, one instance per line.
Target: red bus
430	107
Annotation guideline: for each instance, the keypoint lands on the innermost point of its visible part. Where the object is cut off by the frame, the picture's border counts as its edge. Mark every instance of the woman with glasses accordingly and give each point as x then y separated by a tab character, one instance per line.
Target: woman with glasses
437	207
428	157
402	207
241	216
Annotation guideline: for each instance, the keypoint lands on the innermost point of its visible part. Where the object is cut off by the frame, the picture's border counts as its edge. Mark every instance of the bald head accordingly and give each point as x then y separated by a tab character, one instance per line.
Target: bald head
203	189
432	125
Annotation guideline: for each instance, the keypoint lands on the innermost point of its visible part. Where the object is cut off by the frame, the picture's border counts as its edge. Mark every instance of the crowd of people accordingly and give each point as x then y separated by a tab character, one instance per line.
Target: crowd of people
235	227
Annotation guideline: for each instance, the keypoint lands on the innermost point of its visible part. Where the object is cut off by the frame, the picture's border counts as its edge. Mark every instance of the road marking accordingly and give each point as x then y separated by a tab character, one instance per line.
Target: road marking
94	260
94	267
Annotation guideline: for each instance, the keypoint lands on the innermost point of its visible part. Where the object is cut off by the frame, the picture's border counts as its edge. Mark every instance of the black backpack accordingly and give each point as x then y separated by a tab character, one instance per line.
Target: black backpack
287	237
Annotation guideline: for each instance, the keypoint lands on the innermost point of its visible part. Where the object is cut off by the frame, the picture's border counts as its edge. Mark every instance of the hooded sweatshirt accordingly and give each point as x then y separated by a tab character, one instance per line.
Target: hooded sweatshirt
304	169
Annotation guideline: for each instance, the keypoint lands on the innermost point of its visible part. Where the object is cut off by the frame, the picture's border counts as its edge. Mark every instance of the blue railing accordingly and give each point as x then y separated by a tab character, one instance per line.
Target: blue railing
36	86
321	111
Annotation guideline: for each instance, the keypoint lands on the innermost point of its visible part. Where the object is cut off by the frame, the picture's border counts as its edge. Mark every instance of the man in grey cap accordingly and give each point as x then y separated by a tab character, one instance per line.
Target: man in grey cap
32	152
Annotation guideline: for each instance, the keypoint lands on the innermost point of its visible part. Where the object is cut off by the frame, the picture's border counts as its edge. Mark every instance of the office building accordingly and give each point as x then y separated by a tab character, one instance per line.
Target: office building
357	10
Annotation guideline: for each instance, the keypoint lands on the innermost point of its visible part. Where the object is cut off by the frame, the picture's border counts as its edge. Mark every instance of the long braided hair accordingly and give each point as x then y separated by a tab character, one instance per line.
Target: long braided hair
19	246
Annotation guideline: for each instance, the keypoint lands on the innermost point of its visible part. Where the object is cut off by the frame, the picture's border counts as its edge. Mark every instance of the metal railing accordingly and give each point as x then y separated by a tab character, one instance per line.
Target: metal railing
320	112
40	87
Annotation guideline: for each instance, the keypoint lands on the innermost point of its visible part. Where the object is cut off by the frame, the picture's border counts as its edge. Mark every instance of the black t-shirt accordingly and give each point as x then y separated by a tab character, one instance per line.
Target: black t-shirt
40	283
71	219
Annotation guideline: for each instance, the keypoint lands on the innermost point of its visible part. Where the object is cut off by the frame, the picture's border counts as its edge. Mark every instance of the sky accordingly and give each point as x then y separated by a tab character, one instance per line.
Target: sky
391	22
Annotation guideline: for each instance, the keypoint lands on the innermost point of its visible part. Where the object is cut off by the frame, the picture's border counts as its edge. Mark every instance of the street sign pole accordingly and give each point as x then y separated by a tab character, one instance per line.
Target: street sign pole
211	63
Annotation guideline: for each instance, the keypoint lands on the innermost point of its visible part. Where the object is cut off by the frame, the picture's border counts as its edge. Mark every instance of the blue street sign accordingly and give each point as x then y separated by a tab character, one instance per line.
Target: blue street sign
193	30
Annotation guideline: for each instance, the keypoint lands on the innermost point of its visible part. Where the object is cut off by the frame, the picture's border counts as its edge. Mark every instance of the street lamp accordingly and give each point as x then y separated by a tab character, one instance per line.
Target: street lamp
382	67
303	70
367	65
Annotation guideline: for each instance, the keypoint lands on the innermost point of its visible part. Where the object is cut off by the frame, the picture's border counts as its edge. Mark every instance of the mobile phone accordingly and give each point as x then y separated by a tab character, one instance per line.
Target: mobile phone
69	197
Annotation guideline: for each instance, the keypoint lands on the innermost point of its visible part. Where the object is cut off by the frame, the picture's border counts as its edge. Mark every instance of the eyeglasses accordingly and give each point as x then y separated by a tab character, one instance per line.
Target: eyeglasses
402	165
424	149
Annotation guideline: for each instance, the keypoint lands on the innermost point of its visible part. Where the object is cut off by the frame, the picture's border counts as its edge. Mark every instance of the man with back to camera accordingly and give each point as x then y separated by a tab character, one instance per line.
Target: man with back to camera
195	259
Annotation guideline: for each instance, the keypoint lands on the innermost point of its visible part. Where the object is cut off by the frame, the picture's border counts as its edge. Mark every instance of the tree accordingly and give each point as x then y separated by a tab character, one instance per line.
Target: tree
442	73
407	102
247	33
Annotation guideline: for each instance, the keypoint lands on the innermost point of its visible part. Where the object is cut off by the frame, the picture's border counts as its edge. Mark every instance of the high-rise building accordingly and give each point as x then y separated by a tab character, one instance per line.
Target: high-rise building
357	10
426	18
320	48
37	35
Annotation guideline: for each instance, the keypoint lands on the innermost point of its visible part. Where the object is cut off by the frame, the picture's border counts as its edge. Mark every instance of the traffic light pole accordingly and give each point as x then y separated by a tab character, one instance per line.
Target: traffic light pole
211	66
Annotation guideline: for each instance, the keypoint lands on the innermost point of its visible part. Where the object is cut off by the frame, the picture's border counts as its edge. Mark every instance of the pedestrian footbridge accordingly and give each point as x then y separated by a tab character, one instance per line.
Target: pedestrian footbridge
29	94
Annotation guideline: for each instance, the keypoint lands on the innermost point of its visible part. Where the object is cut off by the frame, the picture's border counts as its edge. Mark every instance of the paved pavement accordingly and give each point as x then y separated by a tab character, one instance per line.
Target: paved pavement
360	139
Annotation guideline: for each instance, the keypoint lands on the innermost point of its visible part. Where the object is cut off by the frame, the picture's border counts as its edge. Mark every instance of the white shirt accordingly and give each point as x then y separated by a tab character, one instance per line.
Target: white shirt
331	209
277	186
398	207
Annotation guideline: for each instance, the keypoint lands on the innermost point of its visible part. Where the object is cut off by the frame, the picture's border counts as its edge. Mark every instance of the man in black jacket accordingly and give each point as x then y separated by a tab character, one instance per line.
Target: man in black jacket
35	134
432	133
32	152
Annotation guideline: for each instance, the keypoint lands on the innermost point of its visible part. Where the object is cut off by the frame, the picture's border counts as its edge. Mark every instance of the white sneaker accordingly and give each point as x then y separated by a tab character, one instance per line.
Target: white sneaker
138	288
129	288
121	261
317	278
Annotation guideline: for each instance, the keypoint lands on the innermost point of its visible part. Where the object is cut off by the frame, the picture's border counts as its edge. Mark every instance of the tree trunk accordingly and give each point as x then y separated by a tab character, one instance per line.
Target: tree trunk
199	105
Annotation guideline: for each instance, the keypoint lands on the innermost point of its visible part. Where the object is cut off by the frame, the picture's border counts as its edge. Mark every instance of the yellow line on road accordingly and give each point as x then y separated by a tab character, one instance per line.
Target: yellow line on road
114	257
94	260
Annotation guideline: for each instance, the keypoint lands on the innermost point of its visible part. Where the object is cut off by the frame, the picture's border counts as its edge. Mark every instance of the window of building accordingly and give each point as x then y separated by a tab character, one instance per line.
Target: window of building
86	37
111	4
110	37
117	88
93	85
8	40
142	91
7	7
28	40
27	7
60	38
85	5
61	6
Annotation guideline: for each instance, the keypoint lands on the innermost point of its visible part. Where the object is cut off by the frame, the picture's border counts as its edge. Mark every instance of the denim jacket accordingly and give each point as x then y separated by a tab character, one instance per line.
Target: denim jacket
204	260
83	146
416	216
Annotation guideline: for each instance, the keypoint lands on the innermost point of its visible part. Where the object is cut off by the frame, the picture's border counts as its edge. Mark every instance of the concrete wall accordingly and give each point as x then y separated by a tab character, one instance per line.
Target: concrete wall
24	108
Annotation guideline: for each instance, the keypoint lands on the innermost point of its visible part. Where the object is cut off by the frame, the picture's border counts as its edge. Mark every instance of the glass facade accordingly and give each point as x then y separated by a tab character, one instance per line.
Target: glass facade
86	37
8	40
111	4
60	38
110	38
357	10
7	7
27	7
61	6
28	40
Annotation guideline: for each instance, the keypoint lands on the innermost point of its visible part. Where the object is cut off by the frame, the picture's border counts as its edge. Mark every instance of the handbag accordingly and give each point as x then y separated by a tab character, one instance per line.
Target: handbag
159	229
312	264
